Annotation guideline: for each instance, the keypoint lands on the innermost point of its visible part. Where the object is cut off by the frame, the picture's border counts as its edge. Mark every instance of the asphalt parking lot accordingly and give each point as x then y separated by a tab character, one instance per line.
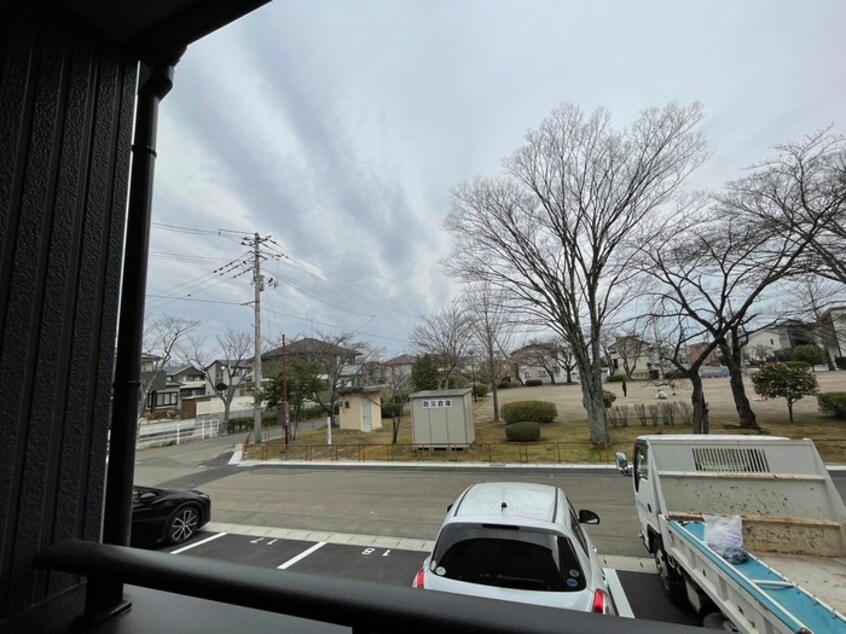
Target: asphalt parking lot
636	589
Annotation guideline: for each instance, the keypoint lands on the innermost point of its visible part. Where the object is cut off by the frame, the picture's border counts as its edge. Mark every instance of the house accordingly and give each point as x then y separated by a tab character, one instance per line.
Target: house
630	355
776	340
337	364
229	372
162	392
831	332
538	361
694	351
399	368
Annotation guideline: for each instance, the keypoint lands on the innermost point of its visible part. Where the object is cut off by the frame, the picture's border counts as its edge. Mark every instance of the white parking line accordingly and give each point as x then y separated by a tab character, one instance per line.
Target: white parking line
302	555
190	546
618	594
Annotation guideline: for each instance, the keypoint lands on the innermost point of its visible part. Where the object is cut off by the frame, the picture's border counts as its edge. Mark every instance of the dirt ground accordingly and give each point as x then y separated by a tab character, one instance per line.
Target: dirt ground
568	398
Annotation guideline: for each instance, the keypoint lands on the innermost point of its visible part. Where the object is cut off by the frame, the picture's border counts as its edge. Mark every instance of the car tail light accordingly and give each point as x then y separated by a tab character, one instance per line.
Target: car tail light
418	580
600	602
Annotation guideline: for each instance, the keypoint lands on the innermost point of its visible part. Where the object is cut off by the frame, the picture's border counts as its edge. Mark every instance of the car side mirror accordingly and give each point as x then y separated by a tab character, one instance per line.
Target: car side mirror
449	508
623	464
588	517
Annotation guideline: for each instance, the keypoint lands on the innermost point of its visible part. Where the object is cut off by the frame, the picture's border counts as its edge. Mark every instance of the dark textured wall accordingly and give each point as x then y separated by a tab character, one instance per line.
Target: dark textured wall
66	108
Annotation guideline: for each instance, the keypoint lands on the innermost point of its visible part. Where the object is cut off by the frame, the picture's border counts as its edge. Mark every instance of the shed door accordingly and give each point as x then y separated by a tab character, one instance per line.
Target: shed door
366	416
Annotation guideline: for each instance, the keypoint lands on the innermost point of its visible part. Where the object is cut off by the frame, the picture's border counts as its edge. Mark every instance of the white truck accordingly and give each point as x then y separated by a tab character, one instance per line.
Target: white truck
793	529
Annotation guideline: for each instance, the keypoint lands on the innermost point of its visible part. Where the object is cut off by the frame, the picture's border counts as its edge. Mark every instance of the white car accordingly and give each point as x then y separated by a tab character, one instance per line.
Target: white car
518	542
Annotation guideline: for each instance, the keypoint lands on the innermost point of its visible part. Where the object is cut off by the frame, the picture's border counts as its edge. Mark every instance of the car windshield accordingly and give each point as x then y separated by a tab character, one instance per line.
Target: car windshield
508	557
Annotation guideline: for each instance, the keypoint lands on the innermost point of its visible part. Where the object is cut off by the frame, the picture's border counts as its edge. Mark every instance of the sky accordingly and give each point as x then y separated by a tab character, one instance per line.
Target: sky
337	130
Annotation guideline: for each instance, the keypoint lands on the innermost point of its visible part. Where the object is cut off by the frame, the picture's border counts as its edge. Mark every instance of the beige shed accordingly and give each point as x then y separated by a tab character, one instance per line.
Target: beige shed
360	408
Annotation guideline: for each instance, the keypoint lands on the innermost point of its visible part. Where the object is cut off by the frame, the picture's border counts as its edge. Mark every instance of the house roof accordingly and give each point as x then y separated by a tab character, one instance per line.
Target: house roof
154	29
307	345
234	363
403	359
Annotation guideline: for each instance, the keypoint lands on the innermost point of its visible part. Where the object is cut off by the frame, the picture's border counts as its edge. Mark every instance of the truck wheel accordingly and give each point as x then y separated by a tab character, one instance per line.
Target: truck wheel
671	580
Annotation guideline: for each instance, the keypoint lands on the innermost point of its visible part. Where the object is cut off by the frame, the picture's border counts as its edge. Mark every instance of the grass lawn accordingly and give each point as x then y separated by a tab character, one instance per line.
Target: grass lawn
561	441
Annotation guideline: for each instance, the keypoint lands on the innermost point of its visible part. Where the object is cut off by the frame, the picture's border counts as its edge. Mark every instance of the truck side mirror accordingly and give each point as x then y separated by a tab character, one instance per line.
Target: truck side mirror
623	464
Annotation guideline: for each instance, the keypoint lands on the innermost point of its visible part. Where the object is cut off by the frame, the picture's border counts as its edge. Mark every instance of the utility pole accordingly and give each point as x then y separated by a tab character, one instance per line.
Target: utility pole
258	287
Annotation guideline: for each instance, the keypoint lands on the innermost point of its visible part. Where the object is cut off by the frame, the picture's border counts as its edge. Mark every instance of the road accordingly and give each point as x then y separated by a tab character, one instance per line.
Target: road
404	502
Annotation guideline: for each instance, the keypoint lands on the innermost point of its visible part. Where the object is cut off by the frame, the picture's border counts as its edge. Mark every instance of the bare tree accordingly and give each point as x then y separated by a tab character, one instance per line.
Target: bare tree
447	336
396	386
492	330
556	230
714	271
801	194
235	363
542	353
630	347
162	336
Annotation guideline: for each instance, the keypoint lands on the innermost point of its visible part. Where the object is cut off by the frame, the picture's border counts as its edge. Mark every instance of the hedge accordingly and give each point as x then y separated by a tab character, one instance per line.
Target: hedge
524	431
616	378
519	411
505	385
533	382
608	398
840	362
480	390
833	403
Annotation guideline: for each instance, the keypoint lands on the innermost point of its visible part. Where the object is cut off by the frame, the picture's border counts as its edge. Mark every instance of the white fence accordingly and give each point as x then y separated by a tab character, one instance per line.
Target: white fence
176	432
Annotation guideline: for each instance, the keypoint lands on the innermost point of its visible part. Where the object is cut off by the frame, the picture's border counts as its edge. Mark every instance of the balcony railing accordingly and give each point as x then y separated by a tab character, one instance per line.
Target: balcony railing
365	607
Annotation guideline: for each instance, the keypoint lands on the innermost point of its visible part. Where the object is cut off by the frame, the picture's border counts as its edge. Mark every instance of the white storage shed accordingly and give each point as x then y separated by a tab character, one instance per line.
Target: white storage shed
442	419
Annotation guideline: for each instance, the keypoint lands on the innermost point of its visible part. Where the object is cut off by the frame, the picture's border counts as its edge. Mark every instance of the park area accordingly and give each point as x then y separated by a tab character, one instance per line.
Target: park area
565	440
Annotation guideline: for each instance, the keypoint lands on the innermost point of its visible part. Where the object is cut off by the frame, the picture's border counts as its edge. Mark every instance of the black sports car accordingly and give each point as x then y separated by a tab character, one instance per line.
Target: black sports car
161	515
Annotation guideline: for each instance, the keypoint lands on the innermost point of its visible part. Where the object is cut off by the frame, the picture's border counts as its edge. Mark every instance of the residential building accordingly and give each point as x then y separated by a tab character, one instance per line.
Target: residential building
776	341
832	332
632	355
538	361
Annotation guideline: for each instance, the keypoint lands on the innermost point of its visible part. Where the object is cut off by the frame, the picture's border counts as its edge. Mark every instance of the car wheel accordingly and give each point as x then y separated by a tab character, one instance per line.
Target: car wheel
671	580
183	524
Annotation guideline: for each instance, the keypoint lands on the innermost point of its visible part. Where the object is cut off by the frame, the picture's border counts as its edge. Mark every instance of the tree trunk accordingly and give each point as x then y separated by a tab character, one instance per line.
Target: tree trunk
569	376
227	403
592	400
700	407
495	402
738	390
790	410
395	434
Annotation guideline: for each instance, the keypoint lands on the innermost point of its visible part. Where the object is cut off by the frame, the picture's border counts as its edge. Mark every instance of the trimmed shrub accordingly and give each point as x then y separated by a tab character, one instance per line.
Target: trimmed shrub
675	375
523	431
833	403
802	365
840	362
533	382
505	385
480	390
654	374
608	398
616	378
519	411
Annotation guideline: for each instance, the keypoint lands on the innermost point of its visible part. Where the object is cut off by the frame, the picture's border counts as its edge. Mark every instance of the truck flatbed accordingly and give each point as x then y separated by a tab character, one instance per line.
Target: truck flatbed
773	581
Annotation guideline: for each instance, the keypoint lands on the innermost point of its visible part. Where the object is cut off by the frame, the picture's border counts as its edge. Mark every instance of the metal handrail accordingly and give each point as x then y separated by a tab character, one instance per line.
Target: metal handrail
365	606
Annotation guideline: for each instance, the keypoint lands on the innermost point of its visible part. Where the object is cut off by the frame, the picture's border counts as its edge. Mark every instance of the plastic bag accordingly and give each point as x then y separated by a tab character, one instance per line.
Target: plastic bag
724	535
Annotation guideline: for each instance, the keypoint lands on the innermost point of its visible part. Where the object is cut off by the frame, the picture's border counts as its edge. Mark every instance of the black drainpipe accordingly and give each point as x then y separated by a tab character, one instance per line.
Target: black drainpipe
104	598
